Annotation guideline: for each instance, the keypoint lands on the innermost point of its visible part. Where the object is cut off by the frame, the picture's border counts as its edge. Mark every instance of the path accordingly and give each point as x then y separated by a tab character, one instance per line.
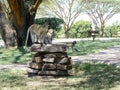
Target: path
109	56
14	66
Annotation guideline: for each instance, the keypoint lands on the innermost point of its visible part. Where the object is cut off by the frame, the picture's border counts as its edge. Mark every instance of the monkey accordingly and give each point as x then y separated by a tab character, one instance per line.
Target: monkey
48	38
72	45
37	31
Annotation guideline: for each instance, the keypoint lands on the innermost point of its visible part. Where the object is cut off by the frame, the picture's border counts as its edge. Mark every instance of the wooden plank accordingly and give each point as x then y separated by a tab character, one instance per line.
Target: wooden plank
62	73
61	54
50	55
54	48
51	60
35	47
54	73
30	70
37	59
34	65
63	67
47	73
48	66
64	61
48	48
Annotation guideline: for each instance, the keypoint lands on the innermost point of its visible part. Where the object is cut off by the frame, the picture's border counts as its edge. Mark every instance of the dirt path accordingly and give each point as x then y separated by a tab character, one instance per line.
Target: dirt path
109	56
14	66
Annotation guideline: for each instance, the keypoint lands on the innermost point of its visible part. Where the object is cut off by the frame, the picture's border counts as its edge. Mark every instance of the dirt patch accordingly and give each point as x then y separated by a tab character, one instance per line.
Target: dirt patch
108	56
14	66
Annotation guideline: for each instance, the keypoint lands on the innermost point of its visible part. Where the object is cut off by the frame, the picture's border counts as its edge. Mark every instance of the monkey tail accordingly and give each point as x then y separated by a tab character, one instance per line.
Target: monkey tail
27	38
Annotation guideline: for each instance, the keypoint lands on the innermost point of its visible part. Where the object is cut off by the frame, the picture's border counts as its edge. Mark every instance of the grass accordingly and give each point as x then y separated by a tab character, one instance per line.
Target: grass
83	77
14	55
88	47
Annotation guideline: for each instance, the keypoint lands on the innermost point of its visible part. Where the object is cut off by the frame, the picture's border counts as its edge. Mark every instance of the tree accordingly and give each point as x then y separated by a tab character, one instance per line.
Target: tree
112	30
21	16
80	29
100	11
66	10
7	33
54	23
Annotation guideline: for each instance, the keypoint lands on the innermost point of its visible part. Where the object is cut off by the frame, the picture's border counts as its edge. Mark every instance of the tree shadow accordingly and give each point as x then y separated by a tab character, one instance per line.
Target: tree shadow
22	51
99	76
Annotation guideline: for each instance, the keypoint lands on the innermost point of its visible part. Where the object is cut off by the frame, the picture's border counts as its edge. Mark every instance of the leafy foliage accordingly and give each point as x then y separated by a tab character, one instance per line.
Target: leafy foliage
54	23
111	31
80	29
100	12
67	10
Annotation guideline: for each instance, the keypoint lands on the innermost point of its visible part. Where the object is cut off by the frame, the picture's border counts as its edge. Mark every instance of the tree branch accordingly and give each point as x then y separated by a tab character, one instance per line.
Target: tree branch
35	6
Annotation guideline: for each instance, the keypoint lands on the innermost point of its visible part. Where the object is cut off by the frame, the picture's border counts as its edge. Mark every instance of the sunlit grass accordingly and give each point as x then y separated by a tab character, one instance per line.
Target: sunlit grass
14	55
88	47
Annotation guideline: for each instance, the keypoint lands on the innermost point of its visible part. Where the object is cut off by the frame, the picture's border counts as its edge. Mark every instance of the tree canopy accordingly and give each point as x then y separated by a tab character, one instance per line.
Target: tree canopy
66	10
21	14
100	11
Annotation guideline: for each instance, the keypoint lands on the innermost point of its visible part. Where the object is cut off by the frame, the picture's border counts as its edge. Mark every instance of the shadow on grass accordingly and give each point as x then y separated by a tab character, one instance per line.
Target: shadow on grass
91	77
8	78
22	51
99	76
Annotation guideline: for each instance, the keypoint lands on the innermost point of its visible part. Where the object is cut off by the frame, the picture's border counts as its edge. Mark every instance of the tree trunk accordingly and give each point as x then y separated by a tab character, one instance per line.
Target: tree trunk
66	31
22	32
102	31
66	34
7	33
22	17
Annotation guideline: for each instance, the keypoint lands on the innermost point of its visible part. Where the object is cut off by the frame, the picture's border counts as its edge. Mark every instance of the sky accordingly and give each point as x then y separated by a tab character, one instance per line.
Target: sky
114	19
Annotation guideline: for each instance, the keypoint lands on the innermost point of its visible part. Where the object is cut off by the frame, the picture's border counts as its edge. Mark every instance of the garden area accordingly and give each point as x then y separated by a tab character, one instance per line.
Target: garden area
83	76
30	49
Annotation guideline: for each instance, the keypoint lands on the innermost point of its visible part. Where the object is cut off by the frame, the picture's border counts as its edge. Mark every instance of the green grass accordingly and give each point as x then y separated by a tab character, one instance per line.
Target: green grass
14	55
88	47
83	77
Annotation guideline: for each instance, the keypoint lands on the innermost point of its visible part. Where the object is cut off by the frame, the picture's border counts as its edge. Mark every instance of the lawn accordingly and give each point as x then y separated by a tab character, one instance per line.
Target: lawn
14	55
88	47
82	77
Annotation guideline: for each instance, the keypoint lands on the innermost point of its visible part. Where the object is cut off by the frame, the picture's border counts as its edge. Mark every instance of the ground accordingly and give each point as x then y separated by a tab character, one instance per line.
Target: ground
108	56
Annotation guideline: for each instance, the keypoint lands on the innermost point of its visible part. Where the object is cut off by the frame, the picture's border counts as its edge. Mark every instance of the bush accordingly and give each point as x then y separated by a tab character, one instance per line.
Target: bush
80	29
54	23
111	31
